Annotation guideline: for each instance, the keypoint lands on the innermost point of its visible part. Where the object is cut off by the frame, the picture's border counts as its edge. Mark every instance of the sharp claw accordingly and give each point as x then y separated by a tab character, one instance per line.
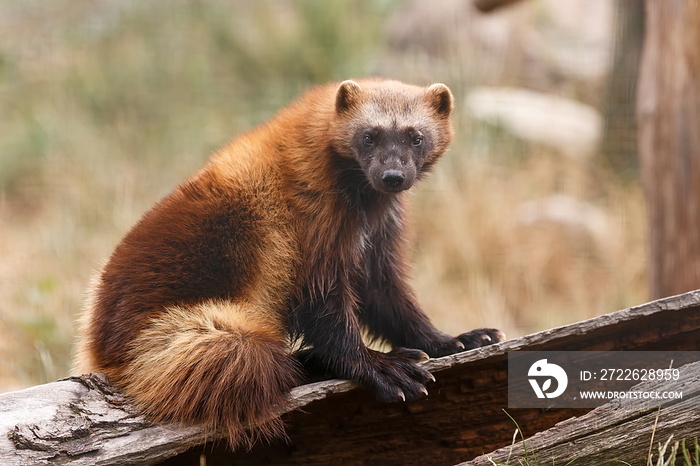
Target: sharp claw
424	391
486	338
460	344
432	378
501	336
401	395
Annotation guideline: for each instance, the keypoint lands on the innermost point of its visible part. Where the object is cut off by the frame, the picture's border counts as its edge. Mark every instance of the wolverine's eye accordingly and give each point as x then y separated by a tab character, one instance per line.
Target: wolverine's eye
418	141
369	140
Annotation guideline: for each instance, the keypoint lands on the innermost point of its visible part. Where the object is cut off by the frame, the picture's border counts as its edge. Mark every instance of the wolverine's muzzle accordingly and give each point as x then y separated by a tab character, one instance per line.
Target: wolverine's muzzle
393	179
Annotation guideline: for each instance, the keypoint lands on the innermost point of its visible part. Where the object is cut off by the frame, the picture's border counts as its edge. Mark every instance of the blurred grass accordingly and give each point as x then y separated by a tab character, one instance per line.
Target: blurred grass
106	106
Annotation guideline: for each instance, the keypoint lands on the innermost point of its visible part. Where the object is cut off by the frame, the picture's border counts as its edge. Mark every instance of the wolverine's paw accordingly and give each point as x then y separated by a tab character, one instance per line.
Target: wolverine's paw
396	375
445	345
481	337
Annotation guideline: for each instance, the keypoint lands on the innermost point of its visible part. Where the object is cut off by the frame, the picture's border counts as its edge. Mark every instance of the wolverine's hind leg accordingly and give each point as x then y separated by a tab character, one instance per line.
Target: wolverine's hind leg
219	364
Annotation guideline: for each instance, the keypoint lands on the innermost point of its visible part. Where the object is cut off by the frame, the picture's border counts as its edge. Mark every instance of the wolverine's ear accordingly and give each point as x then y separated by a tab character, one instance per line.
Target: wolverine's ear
347	96
440	97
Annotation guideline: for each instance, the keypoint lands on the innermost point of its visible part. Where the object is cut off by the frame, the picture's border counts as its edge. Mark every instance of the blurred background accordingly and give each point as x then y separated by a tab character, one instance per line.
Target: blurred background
534	218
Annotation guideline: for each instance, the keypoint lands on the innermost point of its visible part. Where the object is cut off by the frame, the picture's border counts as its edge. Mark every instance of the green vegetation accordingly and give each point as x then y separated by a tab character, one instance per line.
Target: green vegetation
679	455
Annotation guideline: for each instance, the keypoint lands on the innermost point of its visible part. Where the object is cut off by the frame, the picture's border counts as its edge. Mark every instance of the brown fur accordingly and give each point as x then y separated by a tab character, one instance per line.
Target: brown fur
289	232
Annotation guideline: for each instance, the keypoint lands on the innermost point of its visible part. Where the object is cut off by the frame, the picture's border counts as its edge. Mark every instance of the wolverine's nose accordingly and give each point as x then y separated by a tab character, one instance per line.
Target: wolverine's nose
393	178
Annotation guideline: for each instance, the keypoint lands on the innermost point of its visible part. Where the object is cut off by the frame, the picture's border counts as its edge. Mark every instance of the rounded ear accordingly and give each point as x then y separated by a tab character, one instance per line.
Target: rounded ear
440	98
347	96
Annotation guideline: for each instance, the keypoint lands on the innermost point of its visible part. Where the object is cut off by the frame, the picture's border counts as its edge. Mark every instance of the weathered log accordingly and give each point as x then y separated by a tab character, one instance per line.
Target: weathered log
83	420
610	433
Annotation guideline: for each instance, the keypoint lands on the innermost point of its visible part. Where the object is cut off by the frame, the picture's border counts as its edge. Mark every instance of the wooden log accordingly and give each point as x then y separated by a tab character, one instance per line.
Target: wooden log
609	433
83	420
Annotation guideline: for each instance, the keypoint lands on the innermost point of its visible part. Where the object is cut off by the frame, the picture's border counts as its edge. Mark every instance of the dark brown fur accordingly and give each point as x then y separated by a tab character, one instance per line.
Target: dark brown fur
294	231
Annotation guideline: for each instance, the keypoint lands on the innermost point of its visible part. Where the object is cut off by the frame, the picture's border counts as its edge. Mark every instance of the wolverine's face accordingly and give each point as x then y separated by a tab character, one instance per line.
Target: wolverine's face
393	130
391	157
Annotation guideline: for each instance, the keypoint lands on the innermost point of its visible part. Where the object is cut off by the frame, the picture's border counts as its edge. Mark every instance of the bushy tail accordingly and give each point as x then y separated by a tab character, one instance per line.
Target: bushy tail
220	365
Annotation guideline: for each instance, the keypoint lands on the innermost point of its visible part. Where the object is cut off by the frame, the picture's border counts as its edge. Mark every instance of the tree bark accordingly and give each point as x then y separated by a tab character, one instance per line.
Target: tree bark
619	141
669	143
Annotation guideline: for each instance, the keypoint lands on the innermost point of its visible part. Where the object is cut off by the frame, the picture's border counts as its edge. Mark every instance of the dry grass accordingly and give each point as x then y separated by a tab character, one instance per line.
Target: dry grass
108	105
479	261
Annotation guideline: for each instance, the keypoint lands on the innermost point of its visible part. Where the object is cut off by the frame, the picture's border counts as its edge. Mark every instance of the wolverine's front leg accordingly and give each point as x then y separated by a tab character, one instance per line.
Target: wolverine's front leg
390	311
335	349
393	315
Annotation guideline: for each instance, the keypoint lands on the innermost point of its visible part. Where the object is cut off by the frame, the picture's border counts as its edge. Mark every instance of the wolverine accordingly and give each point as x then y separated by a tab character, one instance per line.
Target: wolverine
269	264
